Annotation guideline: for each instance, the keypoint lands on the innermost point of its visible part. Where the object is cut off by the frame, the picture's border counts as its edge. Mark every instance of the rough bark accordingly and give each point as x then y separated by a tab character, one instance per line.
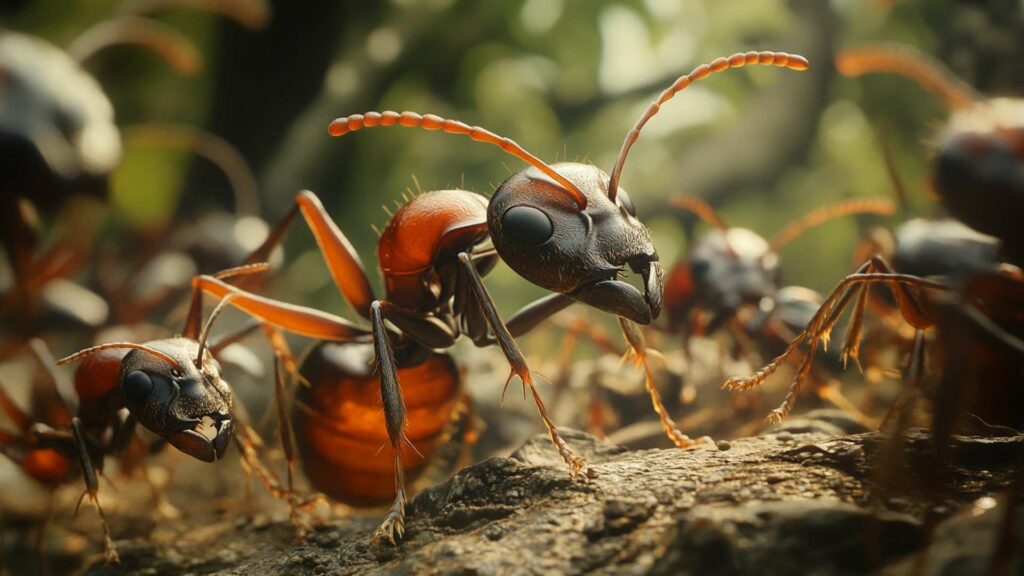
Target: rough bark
777	504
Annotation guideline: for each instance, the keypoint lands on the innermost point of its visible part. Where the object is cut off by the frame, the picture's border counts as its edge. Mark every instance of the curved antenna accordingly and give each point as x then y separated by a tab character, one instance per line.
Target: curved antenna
253	14
823	214
780	59
217	150
929	73
209	324
702	209
342	126
120	345
172	46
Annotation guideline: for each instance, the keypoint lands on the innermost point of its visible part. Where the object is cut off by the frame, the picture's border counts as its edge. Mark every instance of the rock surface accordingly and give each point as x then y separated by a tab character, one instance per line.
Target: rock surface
786	503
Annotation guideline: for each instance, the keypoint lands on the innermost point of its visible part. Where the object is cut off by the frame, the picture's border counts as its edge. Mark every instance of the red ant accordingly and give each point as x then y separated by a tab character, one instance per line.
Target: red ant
568	228
171	386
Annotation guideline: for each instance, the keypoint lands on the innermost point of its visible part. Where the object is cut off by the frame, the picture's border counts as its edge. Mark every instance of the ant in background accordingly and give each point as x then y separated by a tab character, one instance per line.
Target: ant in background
958	279
731	281
978	167
59	144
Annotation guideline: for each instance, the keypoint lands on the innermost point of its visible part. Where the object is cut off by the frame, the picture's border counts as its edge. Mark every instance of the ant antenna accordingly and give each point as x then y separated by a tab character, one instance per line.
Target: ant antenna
209	324
702	209
342	126
821	215
705	212
115	345
929	73
170	45
780	59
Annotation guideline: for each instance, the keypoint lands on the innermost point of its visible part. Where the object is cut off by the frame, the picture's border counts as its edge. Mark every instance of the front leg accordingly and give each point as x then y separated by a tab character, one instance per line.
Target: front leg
577	465
92	489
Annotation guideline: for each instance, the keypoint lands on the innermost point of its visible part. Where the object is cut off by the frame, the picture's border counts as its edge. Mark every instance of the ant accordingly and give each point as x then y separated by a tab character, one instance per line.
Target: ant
59	141
975	165
731	281
979	156
172	387
732	268
567	228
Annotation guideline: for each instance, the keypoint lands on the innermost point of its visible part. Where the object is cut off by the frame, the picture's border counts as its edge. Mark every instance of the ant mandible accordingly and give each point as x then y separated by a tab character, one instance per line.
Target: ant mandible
567	228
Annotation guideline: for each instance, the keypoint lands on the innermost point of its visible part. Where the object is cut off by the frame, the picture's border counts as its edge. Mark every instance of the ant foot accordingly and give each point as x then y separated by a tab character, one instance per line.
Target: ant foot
391	530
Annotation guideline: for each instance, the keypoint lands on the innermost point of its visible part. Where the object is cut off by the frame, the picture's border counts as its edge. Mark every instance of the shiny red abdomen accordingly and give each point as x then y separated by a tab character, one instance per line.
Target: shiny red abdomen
339	422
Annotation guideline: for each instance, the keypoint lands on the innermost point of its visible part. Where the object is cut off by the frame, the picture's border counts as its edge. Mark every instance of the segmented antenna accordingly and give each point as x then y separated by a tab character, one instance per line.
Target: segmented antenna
780	59
172	46
122	345
929	73
209	324
342	126
702	209
821	215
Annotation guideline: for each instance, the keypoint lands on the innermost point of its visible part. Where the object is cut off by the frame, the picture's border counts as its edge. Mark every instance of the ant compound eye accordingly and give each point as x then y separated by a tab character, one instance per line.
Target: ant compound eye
626	202
137	385
527	225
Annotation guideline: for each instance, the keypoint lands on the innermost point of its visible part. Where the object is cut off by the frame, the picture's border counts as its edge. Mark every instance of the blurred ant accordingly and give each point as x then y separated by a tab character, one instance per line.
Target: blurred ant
730	269
568	228
58	139
976	177
978	169
170	386
731	281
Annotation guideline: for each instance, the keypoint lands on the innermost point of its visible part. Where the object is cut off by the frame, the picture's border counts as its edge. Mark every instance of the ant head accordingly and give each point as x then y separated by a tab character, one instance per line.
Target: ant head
547	239
979	167
731	268
185	402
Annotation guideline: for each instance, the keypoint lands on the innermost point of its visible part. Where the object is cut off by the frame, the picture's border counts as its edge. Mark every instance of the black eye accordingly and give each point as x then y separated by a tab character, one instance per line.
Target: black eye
137	385
626	202
527	225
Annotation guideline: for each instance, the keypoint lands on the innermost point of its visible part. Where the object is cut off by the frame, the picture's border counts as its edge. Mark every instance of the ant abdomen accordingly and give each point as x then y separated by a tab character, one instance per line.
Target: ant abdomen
340	428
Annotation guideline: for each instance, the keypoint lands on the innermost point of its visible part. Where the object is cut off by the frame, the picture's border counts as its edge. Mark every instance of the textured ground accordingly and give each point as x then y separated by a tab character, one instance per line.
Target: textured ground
786	503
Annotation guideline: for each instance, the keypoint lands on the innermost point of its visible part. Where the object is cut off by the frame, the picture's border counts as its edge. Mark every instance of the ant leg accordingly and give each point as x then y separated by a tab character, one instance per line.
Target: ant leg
470	432
92	489
530	316
638	349
287	437
912	307
394	418
296	319
342	261
251	448
507	343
